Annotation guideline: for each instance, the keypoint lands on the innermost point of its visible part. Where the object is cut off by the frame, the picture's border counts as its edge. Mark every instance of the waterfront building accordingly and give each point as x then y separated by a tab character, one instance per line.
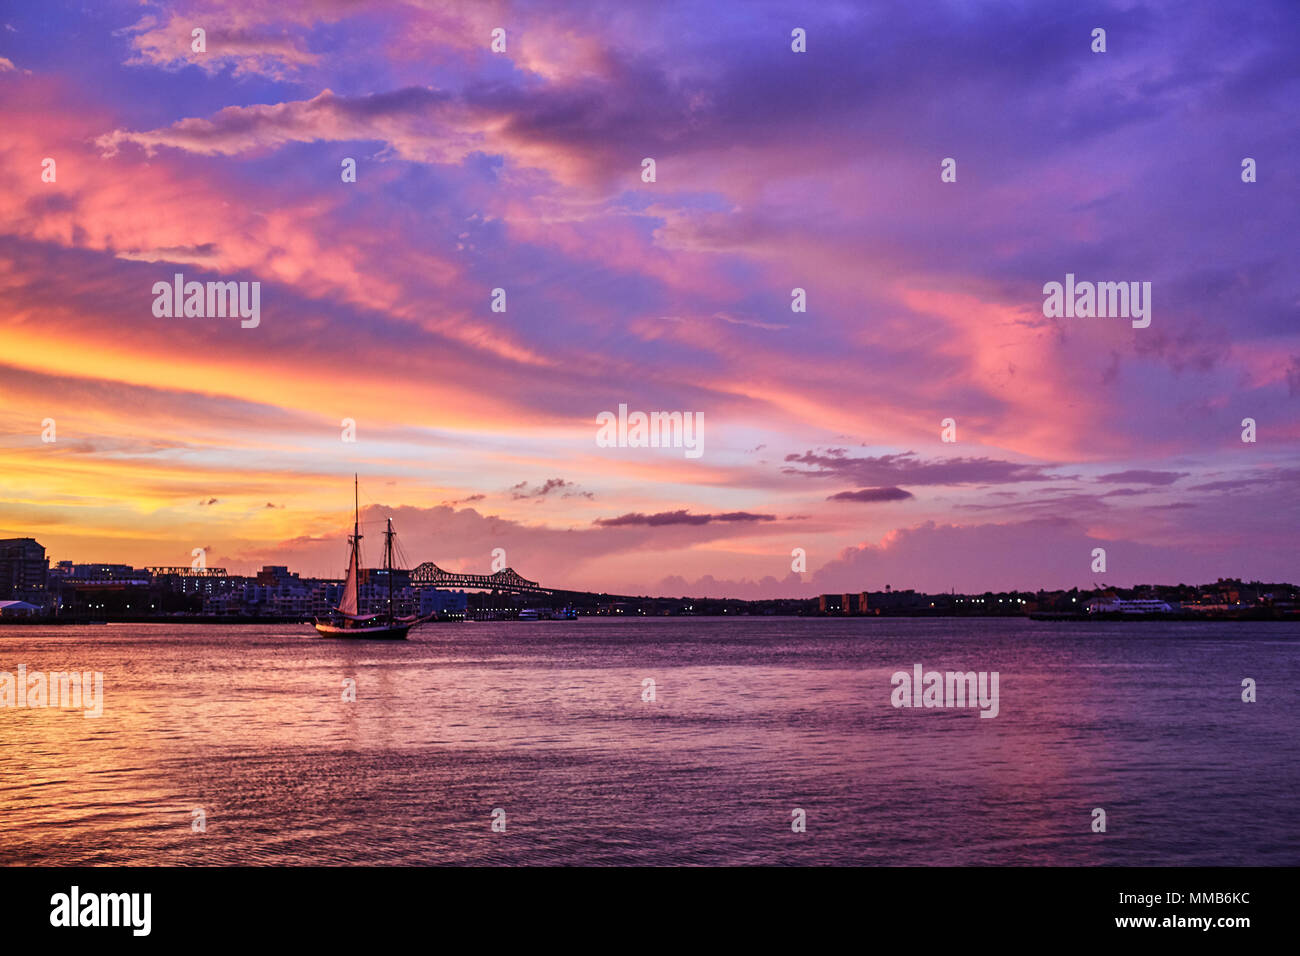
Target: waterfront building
24	570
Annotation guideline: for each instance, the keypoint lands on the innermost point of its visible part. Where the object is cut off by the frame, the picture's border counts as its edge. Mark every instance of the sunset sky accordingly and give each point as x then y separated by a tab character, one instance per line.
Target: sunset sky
774	170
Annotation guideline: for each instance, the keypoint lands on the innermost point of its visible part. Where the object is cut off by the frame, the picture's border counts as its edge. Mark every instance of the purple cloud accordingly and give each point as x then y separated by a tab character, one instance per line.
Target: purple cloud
1138	476
678	517
908	468
872	494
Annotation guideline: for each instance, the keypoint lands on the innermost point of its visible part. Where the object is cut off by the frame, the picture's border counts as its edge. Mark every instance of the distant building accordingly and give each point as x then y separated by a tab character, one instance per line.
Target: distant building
103	573
843	603
378	578
896	600
24	569
445	603
204	582
276	574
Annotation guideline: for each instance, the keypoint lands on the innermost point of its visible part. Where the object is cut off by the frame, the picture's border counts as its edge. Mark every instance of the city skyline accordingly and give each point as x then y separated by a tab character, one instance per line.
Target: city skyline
68	592
776	171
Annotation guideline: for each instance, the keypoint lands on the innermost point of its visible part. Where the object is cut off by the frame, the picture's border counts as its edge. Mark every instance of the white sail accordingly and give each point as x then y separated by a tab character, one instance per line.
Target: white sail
348	603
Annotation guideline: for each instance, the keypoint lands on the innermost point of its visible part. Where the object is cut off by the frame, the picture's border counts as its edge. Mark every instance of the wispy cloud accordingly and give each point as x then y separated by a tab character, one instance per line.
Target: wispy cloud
681	517
872	494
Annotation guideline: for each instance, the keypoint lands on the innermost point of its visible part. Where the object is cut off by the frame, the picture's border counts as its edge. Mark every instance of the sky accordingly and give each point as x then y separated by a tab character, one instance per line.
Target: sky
132	437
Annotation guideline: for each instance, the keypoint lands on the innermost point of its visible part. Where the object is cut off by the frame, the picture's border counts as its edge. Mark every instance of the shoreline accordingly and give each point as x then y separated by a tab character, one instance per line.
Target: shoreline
1252	615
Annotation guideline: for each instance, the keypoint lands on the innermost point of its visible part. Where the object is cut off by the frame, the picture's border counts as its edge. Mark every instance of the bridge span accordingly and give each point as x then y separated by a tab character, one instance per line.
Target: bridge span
507	579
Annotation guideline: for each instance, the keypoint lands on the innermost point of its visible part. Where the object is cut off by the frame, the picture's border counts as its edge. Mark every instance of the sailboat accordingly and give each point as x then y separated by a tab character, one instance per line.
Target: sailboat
348	622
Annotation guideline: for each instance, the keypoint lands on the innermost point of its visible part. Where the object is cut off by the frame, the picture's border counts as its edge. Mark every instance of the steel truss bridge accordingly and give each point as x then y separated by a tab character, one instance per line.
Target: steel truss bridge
507	579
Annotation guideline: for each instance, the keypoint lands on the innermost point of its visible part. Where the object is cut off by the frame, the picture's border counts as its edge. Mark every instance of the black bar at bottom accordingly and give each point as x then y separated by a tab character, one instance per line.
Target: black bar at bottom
334	905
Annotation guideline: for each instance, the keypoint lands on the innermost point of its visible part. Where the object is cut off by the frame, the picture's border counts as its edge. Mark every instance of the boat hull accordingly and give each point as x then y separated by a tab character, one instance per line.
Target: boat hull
380	632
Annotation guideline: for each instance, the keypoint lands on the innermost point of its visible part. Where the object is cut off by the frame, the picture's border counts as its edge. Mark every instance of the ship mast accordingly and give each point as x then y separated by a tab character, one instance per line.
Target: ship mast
349	602
388	566
356	518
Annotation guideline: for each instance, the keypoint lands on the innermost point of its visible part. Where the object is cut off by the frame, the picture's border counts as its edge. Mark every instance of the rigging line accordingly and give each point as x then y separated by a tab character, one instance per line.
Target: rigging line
402	559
